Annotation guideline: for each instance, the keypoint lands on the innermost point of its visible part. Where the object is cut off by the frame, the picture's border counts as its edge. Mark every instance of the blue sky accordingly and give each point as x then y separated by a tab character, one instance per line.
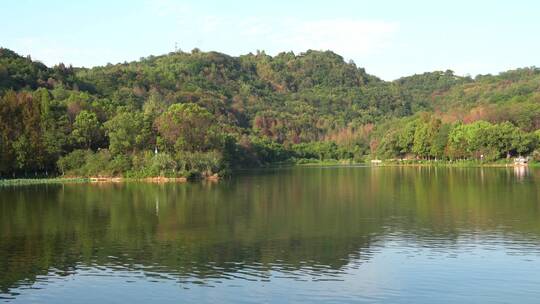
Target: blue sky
389	38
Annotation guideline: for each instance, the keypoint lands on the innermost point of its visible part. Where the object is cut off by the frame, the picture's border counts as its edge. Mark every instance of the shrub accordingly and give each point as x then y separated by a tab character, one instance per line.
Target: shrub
73	162
194	164
88	163
536	155
148	164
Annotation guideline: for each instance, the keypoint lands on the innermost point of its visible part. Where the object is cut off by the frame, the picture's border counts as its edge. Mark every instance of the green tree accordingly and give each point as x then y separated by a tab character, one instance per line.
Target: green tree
405	137
22	154
440	141
86	129
127	133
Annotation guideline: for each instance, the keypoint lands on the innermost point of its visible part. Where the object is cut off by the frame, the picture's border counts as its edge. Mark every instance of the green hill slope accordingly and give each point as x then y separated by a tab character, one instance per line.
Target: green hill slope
205	112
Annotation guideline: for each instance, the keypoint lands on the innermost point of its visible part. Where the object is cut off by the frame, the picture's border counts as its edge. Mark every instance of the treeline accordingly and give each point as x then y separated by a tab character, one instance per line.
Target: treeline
195	114
70	133
427	137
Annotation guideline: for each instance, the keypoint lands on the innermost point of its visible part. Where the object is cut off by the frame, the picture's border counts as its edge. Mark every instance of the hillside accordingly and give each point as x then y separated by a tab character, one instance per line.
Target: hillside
206	112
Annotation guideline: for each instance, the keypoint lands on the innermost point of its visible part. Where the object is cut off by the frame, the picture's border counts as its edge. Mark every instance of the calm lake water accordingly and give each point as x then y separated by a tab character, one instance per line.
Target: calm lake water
332	235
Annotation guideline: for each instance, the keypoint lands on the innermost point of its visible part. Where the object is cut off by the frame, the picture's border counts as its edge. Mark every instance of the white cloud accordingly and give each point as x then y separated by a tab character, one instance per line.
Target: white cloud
53	52
166	8
178	21
351	38
212	24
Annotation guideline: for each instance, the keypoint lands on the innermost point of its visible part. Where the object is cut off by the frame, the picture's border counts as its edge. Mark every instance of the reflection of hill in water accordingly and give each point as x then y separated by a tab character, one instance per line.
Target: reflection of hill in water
313	221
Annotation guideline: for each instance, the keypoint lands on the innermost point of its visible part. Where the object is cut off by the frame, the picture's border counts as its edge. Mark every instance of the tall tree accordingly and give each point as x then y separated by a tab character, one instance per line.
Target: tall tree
86	129
186	127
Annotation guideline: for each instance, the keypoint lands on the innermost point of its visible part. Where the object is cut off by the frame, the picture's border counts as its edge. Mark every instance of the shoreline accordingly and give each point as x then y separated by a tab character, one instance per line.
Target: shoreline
216	177
422	163
458	164
101	180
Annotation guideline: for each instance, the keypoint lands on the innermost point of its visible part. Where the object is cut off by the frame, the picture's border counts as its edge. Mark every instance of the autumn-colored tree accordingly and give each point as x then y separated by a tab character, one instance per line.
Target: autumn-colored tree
186	127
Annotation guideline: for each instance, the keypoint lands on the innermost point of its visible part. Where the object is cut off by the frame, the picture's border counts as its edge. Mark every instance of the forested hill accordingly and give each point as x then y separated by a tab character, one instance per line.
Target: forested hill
204	112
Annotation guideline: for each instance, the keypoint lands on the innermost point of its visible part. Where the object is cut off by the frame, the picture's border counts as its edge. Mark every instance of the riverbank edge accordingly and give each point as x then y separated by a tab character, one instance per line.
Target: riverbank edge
417	163
96	180
458	164
215	177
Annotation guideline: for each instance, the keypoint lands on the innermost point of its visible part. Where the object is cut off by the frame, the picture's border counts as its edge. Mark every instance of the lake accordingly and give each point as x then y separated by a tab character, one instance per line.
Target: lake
302	234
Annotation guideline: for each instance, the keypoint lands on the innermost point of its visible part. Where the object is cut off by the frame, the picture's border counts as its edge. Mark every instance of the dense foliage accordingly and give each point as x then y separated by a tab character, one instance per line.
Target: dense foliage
197	113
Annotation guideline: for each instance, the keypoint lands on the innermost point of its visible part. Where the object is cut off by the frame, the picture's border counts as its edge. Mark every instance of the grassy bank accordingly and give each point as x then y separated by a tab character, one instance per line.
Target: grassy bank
331	162
65	180
410	162
301	162
458	163
37	181
413	163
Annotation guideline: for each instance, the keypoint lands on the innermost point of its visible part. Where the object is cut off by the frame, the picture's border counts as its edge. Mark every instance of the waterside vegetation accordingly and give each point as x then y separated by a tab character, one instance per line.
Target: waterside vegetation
197	114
